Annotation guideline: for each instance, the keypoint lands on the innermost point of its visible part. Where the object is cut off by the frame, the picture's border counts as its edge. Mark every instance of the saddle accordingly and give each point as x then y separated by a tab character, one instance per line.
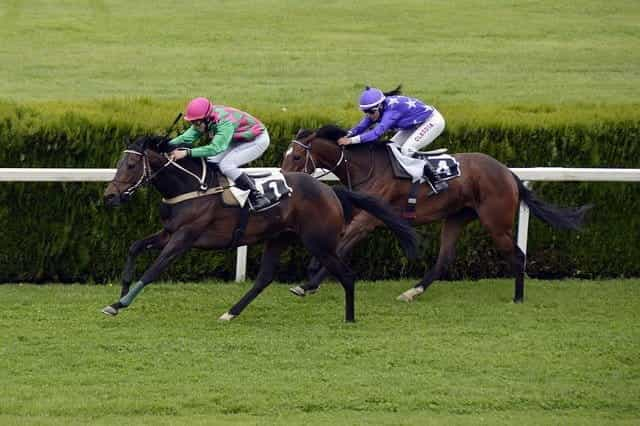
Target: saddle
271	184
444	166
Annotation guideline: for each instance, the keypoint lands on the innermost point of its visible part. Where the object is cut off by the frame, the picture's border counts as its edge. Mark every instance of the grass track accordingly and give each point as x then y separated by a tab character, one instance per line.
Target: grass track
462	354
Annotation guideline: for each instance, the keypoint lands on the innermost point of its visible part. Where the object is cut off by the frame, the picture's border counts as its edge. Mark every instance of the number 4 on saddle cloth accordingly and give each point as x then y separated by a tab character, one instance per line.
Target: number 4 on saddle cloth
444	166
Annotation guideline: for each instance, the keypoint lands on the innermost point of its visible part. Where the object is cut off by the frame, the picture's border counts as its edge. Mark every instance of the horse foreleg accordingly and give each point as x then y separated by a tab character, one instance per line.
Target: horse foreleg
449	234
178	243
359	228
155	241
270	257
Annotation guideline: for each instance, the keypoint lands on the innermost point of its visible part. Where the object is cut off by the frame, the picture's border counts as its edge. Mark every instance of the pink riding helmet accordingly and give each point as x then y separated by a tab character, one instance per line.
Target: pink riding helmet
198	109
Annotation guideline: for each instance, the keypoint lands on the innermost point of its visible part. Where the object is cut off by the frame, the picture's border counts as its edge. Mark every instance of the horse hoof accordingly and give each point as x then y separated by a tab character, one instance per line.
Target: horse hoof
110	310
298	291
518	301
408	295
226	317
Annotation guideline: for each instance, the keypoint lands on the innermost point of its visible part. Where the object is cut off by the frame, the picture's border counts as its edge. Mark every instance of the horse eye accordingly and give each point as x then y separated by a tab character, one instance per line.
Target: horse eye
130	166
296	157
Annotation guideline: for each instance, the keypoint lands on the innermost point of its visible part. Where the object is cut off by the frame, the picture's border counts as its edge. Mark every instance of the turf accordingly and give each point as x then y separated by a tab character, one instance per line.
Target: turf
461	354
291	54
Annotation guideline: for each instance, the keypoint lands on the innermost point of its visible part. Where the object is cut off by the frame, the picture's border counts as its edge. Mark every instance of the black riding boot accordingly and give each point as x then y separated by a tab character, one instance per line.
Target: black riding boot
431	176
256	199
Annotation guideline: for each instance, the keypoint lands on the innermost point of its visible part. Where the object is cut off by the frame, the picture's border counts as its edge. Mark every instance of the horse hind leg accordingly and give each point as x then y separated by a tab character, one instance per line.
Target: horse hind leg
517	259
518	264
313	268
357	230
324	250
347	278
502	235
451	230
268	265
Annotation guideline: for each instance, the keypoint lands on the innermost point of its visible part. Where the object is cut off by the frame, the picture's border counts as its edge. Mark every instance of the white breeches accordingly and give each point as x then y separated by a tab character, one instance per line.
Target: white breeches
413	140
240	153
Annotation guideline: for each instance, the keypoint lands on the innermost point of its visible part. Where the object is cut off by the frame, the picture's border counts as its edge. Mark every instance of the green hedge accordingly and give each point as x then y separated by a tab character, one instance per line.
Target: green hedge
61	231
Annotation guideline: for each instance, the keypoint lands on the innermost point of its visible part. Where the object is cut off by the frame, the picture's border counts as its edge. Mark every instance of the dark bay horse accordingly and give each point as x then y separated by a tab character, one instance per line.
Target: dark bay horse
314	212
487	190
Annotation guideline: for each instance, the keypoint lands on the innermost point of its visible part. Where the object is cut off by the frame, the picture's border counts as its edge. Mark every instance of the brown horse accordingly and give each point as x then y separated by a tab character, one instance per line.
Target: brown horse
487	190
314	212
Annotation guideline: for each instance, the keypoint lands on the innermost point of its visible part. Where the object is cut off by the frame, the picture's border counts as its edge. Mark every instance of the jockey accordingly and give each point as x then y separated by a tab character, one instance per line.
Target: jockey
417	124
236	138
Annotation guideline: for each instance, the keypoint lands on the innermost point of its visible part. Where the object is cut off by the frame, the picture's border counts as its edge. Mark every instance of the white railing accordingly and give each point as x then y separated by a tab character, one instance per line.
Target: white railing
558	174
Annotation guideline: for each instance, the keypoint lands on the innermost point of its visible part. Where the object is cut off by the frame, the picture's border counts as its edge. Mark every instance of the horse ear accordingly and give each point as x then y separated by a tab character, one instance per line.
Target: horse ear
303	133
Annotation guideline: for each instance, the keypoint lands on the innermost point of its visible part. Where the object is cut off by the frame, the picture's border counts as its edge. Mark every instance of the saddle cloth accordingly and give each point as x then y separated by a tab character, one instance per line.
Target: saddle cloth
272	185
444	166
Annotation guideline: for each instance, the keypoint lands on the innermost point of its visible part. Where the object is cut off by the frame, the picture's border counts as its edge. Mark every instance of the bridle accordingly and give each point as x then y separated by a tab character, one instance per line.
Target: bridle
343	159
309	159
148	174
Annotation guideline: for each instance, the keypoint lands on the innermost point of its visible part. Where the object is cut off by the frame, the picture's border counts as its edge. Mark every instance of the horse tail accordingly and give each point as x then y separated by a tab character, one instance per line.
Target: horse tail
559	217
402	230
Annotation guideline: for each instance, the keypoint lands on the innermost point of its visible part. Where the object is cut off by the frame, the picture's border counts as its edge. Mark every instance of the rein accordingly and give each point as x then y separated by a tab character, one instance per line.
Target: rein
309	157
201	180
148	175
343	158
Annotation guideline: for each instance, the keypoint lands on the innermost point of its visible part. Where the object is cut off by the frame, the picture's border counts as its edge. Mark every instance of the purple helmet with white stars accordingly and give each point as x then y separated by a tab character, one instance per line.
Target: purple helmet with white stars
371	98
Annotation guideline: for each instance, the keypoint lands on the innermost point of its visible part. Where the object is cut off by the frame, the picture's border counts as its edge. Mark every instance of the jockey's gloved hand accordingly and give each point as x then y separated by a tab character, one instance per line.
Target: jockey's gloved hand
179	154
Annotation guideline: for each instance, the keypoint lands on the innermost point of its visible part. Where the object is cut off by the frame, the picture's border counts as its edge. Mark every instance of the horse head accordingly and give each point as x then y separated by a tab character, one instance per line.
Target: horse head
133	169
313	148
298	157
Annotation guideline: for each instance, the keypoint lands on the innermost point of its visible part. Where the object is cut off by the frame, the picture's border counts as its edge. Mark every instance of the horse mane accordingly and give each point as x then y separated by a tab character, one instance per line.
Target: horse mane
331	132
154	142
